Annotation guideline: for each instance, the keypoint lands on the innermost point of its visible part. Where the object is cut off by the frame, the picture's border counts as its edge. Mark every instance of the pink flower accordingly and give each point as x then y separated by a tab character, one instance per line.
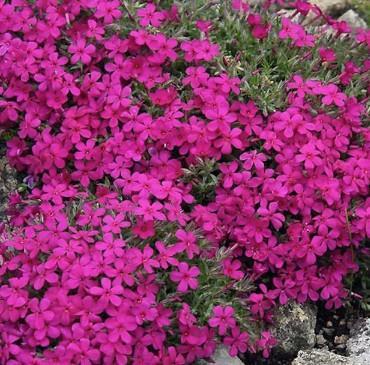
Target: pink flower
223	318
271	212
185	276
231	268
149	16
204	25
188	243
145	259
83	353
162	47
149	172
111	246
40	317
196	76
144	312
109	292
118	97
115	224
240	5
185	316
173	358
121	325
229	140
310	156
285	290
165	256
56	192
144	229
327	55
149	212
364	219
194	335
332	95
253	159
265	343
238	341
199	50
259	304
108	10
43	276
81	52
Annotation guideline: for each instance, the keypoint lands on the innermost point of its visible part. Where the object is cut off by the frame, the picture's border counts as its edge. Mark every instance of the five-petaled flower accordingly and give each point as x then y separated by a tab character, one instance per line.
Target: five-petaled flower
185	276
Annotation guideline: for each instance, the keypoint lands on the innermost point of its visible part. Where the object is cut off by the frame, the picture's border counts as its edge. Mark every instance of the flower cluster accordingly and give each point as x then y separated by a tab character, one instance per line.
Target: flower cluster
111	251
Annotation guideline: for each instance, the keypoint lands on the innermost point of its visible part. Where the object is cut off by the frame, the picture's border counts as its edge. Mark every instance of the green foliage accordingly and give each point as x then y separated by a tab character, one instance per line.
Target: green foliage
362	7
359	283
265	66
217	289
203	176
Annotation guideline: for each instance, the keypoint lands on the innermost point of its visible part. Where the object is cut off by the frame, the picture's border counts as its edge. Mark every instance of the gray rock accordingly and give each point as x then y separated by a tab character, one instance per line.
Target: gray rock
320	340
341	346
353	19
222	357
329	331
331	7
295	328
320	357
358	345
340	340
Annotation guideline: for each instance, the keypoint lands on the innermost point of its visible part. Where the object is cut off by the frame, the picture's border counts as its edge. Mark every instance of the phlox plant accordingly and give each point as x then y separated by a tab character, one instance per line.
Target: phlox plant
188	166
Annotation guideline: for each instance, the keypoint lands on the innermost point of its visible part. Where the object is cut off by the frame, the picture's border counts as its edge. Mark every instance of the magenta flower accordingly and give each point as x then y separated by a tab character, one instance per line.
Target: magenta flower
253	159
185	316
196	76
266	342
145	259
223	319
56	192
111	246
259	305
364	219
173	358
40	317
327	54
332	95
108	10
149	212
83	353
115	224
237	342
310	156
81	51
284	290
271	212
187	243
165	256
144	313
231	268
194	335
43	276
121	326
144	229
185	276
149	16
144	165
108	292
